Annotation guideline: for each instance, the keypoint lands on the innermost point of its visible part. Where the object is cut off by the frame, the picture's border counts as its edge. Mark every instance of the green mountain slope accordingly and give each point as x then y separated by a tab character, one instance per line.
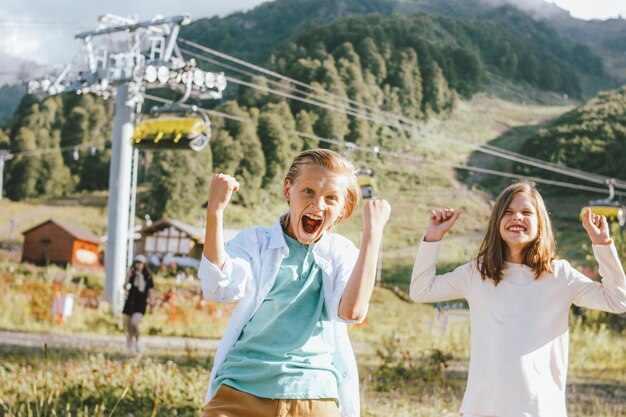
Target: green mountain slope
591	137
417	66
605	38
503	40
506	38
256	34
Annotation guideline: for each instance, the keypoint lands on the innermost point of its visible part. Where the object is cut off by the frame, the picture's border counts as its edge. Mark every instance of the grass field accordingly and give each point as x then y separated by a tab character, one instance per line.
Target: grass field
419	369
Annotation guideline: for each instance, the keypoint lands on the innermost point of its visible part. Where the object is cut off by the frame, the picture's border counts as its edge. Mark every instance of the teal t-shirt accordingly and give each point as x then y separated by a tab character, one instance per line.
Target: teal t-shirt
284	351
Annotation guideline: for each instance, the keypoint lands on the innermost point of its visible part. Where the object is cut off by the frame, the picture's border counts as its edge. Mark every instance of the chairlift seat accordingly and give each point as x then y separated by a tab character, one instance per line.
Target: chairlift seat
172	133
368	183
614	212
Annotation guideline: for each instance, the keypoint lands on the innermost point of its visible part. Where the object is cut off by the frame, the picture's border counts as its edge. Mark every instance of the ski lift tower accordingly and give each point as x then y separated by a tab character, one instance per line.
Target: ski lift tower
132	56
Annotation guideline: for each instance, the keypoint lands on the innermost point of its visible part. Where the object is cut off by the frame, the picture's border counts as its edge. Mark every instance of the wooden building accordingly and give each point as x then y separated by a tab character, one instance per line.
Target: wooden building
62	243
169	237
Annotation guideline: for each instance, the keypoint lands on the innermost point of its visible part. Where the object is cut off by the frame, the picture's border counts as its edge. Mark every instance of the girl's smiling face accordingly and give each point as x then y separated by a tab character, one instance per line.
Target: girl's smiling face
316	201
519	226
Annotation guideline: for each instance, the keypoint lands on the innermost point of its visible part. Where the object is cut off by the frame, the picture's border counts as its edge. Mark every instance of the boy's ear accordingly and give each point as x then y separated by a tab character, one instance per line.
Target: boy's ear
286	190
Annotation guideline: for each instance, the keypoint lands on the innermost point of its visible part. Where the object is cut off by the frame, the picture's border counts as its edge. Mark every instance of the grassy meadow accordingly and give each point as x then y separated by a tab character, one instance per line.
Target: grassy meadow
412	363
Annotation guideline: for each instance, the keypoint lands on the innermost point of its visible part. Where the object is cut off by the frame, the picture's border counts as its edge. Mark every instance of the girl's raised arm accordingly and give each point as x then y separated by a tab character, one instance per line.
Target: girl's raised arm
426	286
439	222
610	294
597	228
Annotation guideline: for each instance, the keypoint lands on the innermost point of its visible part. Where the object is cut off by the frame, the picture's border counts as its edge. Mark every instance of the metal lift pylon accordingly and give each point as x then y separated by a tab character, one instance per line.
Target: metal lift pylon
126	75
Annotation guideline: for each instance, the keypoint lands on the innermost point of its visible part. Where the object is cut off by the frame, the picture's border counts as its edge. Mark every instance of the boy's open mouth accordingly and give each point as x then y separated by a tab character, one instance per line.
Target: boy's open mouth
311	222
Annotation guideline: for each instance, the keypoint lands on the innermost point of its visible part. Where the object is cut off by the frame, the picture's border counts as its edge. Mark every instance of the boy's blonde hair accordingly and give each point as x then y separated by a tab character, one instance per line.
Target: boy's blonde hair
336	164
538	254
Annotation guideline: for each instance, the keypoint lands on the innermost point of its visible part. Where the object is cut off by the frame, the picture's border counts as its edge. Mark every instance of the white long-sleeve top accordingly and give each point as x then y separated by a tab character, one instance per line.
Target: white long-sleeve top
519	328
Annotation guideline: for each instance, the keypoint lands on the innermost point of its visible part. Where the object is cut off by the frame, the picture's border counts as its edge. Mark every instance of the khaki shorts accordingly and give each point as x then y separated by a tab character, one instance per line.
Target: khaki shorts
229	402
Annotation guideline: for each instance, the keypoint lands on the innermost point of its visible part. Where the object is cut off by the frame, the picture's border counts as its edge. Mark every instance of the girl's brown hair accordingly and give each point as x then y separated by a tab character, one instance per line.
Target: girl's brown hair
334	163
538	255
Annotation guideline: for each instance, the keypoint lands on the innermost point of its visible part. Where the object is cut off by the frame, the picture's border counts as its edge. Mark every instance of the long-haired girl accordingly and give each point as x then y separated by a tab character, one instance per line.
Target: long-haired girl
286	350
140	287
519	297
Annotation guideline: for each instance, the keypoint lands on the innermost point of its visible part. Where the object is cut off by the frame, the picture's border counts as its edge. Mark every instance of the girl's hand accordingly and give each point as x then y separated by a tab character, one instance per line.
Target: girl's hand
597	228
375	215
222	188
439	222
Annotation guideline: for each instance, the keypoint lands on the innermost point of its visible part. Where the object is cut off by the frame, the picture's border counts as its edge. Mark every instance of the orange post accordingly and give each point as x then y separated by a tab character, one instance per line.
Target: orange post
57	303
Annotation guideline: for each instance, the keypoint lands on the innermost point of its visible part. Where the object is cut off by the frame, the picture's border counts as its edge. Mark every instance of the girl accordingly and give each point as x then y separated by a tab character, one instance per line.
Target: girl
140	292
286	350
519	298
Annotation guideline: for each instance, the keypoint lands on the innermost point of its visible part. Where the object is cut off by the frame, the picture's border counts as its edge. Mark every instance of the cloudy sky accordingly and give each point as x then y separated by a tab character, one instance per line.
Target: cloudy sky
43	30
593	9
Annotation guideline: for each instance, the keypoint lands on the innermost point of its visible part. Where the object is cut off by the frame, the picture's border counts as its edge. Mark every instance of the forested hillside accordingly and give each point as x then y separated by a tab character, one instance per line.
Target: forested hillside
508	38
256	34
65	121
503	40
603	37
414	66
591	137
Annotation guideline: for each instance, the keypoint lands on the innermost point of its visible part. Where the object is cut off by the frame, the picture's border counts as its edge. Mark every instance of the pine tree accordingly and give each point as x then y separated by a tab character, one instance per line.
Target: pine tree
55	178
304	123
372	60
75	133
180	182
96	154
280	144
23	170
332	124
408	79
250	169
225	150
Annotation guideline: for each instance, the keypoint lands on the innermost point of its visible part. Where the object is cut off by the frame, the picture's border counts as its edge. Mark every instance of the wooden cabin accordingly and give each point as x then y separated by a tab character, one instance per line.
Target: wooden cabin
62	243
169	237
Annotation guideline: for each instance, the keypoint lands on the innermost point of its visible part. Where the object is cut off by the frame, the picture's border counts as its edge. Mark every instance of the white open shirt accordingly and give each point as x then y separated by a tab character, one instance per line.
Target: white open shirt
253	260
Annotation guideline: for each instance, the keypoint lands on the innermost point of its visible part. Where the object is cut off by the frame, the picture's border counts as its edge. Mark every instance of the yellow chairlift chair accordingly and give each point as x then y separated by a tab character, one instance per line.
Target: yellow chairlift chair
368	183
614	211
178	129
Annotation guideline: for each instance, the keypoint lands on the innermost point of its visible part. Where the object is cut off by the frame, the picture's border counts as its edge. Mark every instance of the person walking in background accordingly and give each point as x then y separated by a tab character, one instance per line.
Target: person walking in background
140	287
286	349
519	297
